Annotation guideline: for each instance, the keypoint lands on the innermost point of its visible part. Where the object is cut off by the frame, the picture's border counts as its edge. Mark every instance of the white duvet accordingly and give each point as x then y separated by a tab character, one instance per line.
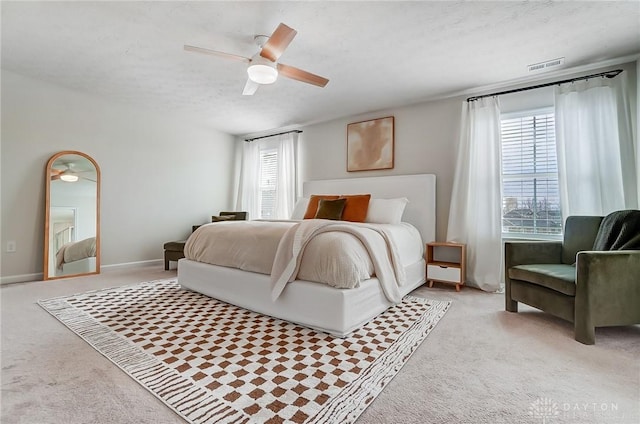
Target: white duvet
75	251
337	258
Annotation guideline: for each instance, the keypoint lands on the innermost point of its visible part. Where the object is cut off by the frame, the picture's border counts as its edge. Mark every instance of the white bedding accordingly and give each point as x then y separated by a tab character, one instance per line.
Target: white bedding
75	251
246	245
376	241
337	258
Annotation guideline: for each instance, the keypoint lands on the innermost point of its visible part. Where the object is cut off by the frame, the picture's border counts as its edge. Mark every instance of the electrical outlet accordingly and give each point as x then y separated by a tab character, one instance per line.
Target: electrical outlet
11	246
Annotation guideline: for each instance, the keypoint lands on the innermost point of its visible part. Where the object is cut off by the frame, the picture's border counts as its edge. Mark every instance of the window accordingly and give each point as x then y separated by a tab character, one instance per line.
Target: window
268	177
268	181
530	192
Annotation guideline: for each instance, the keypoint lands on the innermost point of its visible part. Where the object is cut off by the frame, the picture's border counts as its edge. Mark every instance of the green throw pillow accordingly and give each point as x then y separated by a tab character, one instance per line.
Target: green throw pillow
330	209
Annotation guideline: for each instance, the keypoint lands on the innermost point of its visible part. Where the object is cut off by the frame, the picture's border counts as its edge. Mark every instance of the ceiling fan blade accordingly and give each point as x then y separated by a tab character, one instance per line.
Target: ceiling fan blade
57	173
250	88
300	75
278	42
217	53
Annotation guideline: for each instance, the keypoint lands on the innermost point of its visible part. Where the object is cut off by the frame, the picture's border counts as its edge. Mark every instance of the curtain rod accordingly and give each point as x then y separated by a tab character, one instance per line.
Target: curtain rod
272	135
608	74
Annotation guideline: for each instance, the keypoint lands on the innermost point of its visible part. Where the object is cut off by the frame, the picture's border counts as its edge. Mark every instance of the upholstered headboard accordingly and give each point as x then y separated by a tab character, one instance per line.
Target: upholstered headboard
420	189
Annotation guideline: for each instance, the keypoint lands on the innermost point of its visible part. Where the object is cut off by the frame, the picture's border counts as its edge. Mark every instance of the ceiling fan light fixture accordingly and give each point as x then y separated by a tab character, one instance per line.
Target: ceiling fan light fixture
262	74
69	178
261	70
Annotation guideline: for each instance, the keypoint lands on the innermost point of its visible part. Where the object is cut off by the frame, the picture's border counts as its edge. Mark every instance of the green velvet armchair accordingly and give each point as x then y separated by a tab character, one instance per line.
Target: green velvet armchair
571	281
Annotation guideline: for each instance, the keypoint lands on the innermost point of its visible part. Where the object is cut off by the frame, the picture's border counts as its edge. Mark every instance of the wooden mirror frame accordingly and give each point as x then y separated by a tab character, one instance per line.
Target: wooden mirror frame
49	173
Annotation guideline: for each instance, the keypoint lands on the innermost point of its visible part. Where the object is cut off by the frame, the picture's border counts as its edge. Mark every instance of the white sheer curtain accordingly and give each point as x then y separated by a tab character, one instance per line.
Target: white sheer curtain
286	186
249	185
286	177
476	200
596	154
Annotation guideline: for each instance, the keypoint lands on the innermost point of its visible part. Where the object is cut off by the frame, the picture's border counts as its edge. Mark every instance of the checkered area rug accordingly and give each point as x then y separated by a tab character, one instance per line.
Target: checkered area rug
212	362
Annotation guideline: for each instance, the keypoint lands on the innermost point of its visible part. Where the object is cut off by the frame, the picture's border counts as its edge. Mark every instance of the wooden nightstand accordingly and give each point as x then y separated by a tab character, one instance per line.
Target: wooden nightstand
450	272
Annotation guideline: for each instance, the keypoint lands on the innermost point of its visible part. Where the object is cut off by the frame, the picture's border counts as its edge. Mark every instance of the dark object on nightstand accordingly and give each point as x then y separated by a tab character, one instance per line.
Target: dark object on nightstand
174	250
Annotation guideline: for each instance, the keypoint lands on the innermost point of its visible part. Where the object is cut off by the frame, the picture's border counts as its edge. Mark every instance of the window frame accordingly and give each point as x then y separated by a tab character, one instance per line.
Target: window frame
525	236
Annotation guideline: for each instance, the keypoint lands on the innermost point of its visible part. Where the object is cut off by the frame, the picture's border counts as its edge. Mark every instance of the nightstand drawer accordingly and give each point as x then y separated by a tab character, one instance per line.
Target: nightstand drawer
443	273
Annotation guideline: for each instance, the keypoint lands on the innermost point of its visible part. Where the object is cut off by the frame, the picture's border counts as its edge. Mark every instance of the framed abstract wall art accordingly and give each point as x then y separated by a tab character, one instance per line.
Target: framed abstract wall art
370	144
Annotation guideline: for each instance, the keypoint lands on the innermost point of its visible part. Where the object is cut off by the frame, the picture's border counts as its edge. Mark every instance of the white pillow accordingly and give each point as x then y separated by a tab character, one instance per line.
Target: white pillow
300	208
386	211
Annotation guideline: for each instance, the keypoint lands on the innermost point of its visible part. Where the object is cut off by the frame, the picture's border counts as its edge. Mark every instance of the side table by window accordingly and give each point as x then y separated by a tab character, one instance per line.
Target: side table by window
449	271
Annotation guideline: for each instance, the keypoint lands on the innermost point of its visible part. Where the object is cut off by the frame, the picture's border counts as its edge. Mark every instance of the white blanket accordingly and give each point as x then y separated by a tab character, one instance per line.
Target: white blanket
376	240
337	259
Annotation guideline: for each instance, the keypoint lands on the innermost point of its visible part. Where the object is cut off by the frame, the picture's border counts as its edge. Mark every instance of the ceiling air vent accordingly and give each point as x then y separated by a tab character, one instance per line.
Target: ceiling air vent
553	63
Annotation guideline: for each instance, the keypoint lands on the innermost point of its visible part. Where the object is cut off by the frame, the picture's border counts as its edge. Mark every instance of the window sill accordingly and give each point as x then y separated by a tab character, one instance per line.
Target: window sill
531	237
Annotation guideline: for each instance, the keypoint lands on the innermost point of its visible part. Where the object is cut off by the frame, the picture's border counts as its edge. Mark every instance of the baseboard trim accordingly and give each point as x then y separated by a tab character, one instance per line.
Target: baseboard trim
128	265
38	276
24	278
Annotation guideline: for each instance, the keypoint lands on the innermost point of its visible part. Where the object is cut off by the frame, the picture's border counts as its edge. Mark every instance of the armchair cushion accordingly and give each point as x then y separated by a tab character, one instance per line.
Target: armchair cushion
558	277
579	234
538	252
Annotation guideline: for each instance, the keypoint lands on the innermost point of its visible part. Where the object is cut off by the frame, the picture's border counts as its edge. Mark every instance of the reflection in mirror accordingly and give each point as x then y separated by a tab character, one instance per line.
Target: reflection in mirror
72	216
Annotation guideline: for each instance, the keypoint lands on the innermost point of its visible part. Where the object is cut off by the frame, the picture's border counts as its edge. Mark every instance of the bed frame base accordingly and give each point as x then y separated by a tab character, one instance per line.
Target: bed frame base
318	306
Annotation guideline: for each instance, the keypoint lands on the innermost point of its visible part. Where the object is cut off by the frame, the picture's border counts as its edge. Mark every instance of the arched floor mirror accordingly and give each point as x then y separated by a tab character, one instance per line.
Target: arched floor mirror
72	216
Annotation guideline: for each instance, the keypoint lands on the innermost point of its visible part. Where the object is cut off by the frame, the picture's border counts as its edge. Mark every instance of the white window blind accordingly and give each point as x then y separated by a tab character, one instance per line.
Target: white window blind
268	181
530	191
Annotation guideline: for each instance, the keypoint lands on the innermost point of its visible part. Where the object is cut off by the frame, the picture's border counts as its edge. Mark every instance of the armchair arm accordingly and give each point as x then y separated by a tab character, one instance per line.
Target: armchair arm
532	252
608	287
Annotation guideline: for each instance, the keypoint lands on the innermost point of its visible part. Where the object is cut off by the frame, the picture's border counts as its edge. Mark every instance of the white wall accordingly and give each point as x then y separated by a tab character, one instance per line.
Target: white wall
426	139
426	136
161	173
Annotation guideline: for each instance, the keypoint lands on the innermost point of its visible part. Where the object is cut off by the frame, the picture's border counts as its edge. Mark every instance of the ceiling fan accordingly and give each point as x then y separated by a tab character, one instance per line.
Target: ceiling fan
69	174
263	66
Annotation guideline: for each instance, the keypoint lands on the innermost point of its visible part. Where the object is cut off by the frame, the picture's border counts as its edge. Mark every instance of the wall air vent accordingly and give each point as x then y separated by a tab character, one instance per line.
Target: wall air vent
542	66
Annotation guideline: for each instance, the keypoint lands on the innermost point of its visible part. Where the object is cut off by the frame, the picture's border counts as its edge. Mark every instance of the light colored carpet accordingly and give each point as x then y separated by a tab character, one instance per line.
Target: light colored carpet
479	365
215	363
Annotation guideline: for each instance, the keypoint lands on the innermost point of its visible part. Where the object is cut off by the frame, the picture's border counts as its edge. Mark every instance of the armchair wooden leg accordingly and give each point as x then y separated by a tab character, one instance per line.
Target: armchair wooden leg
166	262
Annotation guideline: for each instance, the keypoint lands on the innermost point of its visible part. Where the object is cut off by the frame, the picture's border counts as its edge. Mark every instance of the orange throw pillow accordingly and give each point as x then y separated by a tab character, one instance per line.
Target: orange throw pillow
356	207
312	207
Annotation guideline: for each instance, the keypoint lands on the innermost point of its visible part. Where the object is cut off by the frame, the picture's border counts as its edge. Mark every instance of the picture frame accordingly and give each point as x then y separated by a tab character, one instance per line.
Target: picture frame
370	144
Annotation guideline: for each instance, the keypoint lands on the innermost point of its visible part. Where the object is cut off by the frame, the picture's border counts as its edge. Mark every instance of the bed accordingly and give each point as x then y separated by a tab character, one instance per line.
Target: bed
81	266
77	257
337	311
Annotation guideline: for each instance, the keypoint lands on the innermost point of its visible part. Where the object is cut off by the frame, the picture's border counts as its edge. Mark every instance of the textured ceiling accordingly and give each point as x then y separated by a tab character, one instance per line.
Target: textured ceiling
376	54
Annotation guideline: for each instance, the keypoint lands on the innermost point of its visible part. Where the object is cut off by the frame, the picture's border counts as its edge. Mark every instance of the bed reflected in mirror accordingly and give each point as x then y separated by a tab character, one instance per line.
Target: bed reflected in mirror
72	216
